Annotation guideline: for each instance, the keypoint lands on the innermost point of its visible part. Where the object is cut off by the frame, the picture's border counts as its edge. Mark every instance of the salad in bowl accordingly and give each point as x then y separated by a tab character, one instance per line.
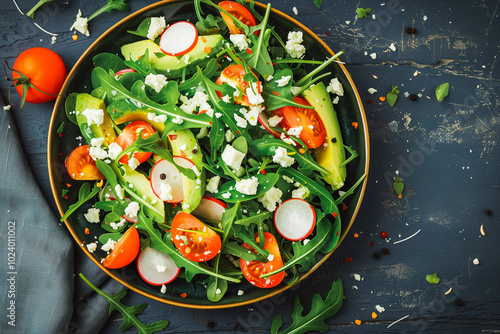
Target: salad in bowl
209	159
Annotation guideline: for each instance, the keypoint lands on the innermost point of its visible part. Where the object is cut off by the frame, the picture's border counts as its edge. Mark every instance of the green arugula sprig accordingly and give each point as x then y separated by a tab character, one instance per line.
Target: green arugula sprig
84	195
128	313
315	319
120	5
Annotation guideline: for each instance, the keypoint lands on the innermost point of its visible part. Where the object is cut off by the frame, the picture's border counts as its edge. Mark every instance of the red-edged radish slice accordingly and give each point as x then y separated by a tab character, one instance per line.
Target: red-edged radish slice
179	38
264	120
210	208
156	267
121	72
182	161
294	219
166	182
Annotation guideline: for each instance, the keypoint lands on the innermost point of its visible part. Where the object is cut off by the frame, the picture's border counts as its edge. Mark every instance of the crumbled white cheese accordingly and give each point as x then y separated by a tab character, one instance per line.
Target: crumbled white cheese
163	289
301	192
357	277
295	131
247	186
372	91
232	157
92	247
213	184
240	292
97	142
133	163
240	121
92	215
239	40
271	199
293	45
81	24
335	87
132	209
109	245
336	100
373	55
177	120
226	98
156	81
166	192
283	81
119	191
287	140
280	156
156	27
475	261
7	107
380	309
97	153
256	98
295	11
274	121
198	102
226	195
392	47
160	268
295	90
252	116
94	116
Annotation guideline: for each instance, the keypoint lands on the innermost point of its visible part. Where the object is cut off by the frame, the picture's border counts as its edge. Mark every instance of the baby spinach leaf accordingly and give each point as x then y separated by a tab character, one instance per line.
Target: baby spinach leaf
315	319
84	194
108	61
128	312
442	91
398	186
392	96
266	182
142	29
69	107
115	236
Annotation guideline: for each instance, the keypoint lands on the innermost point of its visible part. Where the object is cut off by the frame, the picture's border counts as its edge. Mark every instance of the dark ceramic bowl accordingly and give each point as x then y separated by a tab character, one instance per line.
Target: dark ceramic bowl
349	110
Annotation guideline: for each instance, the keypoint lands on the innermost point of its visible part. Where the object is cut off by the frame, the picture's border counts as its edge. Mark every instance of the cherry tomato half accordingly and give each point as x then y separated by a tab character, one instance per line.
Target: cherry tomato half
81	166
313	130
130	134
253	269
125	250
44	69
233	75
195	240
238	11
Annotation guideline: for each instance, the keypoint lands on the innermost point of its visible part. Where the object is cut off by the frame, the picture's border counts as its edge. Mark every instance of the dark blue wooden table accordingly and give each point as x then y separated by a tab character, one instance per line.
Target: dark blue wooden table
447	154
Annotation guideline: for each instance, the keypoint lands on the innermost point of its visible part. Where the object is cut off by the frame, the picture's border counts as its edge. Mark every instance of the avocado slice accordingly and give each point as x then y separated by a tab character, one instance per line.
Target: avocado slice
142	187
125	116
173	66
332	156
105	130
137	49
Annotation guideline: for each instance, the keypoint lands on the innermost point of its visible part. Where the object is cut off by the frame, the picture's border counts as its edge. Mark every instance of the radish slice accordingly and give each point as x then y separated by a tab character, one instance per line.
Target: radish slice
294	219
210	208
121	72
263	119
166	182
156	267
179	38
182	161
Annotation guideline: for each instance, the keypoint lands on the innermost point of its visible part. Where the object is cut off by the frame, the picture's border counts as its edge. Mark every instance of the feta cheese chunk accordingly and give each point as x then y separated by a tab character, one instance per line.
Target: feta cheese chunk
97	142
283	81
81	24
252	115
232	157
109	245
293	44
240	121
156	27
163	288
335	87
295	131
132	209
166	192
161	268
274	121
213	184
372	90
271	199
133	163
156	81
97	153
94	116
119	191
301	192
247	186
281	157
239	40
92	215
92	247
256	98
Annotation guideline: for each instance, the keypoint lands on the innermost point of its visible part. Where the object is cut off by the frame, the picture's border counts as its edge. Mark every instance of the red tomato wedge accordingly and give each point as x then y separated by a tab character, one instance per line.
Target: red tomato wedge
253	269
81	166
179	38
238	11
130	134
313	131
125	251
233	75
195	240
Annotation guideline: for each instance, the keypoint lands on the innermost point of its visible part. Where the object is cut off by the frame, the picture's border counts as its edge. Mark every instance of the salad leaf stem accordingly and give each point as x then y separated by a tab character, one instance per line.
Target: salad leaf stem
318	69
32	11
353	153
319	77
120	5
350	191
142	201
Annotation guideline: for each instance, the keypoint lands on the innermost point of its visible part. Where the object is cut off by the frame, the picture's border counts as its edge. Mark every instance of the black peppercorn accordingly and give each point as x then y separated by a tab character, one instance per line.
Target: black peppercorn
195	151
163	176
211	324
411	30
414	97
376	255
488	212
385	251
458	302
334	140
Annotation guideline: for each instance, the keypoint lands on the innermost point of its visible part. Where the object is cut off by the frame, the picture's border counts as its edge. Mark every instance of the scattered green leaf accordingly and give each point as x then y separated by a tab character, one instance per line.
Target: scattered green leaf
32	11
361	12
442	91
121	5
433	279
392	96
398	186
318	3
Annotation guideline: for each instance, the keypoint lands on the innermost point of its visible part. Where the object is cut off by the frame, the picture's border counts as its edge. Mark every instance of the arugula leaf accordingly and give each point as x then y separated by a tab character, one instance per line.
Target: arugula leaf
210	24
334	236
262	147
120	5
142	29
109	172
266	182
141	65
398	186
255	219
84	194
128	312
433	279
318	3
304	255
276	96
31	12
166	245
442	91
361	12
233	248
216	287
353	154
308	77
315	319
350	191
392	96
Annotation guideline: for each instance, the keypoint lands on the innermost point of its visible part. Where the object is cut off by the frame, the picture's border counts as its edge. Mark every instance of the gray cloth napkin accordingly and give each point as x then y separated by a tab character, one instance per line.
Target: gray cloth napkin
40	288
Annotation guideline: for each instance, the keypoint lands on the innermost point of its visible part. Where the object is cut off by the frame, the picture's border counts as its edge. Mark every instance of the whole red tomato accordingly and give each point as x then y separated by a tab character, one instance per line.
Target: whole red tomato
42	71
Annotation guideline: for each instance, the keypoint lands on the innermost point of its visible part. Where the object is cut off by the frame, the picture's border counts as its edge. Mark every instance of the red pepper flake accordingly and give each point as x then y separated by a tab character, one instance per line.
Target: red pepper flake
202	112
348	259
369	101
207	49
174	205
355	235
302	151
337	233
276	93
68	185
357	322
274	64
382	98
384	234
60	134
267	63
114	110
172	137
334	215
355	125
249	50
203	39
344	207
238	132
184	295
210	122
374	315
262	171
66	197
372	243
87	231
